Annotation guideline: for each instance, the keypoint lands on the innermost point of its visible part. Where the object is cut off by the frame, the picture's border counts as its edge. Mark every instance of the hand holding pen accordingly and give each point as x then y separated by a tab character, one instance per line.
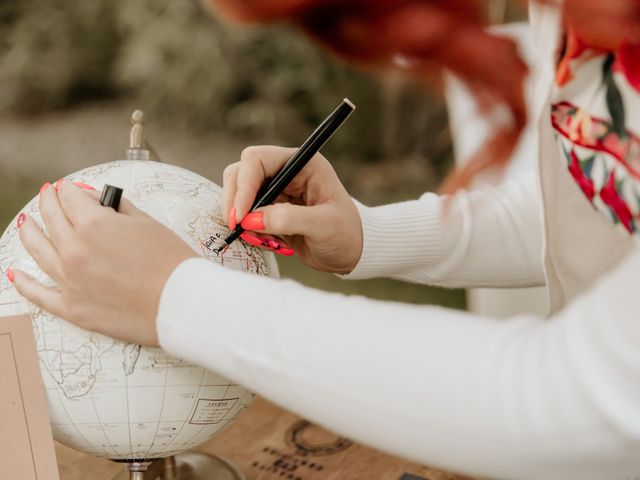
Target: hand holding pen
313	213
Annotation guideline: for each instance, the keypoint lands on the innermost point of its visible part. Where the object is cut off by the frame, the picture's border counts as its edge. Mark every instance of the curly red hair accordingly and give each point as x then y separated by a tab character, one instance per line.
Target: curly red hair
451	34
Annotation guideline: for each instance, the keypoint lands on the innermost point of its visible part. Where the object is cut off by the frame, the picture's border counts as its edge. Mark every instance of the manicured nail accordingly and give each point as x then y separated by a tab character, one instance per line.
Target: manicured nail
273	245
280	248
21	218
84	185
253	221
44	187
57	185
232	218
255	241
10	274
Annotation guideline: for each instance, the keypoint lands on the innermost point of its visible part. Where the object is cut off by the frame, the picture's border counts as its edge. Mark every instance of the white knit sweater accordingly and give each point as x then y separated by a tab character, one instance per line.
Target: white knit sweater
523	398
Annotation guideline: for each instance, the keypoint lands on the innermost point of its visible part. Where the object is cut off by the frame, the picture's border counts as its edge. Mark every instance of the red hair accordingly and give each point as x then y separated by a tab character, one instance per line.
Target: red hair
423	34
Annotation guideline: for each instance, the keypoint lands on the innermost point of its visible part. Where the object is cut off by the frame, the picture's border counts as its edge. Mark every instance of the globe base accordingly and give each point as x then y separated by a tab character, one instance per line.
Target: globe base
186	466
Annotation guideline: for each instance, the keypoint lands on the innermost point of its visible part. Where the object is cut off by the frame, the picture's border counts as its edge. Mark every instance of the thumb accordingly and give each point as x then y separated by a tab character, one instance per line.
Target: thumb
287	219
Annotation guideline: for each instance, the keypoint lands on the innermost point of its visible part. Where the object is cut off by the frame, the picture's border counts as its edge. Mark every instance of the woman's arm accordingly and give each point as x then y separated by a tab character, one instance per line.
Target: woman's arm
525	398
521	399
490	237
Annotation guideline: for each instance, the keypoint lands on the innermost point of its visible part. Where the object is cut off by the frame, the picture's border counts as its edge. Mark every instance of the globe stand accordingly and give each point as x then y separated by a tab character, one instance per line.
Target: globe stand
186	466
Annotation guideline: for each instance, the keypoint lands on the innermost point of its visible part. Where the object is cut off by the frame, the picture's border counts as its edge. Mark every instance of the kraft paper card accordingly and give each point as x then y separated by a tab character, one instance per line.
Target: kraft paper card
27	451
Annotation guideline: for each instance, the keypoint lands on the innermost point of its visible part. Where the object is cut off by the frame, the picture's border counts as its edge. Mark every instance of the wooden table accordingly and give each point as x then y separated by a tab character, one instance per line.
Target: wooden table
268	443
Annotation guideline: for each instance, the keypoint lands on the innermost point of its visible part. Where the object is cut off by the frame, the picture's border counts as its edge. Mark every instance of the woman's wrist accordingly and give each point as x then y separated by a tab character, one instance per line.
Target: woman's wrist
399	237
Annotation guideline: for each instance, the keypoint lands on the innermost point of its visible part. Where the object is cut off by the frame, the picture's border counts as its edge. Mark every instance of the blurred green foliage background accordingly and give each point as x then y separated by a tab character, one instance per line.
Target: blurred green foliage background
200	79
185	65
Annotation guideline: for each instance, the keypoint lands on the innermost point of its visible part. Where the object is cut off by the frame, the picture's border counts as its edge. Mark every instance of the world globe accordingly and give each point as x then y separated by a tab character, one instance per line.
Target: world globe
120	400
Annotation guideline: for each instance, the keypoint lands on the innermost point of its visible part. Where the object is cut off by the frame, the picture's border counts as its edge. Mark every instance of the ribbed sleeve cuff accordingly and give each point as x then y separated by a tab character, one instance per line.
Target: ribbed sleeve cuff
399	238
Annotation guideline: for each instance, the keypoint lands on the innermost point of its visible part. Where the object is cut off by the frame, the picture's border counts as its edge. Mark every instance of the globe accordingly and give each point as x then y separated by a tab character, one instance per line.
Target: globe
120	400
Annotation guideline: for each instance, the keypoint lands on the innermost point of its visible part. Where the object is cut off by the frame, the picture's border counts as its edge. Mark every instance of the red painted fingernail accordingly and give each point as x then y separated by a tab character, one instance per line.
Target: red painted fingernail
253	240
232	218
273	245
280	248
253	221
57	185
21	218
10	274
84	185
44	187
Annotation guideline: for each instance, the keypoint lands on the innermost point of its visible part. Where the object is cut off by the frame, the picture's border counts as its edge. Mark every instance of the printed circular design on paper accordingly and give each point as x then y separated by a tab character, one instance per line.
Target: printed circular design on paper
309	439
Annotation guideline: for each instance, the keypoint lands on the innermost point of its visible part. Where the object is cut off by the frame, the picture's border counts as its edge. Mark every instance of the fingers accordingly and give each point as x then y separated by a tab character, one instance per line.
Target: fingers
79	202
125	207
41	249
229	186
58	226
46	298
256	165
128	208
76	203
268	242
243	180
287	219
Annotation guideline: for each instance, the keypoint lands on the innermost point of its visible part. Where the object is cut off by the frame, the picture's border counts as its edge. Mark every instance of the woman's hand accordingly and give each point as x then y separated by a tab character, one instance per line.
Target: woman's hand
315	214
110	267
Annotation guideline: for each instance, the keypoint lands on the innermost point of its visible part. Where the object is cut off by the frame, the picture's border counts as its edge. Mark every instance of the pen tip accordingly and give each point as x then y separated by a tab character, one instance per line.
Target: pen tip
349	102
220	249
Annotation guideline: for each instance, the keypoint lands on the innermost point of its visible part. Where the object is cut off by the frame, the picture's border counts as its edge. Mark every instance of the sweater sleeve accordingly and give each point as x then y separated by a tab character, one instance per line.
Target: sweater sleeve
489	237
518	399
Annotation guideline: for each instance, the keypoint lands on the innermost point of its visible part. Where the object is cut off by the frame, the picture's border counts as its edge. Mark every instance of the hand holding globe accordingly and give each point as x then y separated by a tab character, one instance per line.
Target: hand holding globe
107	397
99	292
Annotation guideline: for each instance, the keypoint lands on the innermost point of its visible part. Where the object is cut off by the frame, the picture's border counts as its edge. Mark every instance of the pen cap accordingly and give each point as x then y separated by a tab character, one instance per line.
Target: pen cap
111	197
